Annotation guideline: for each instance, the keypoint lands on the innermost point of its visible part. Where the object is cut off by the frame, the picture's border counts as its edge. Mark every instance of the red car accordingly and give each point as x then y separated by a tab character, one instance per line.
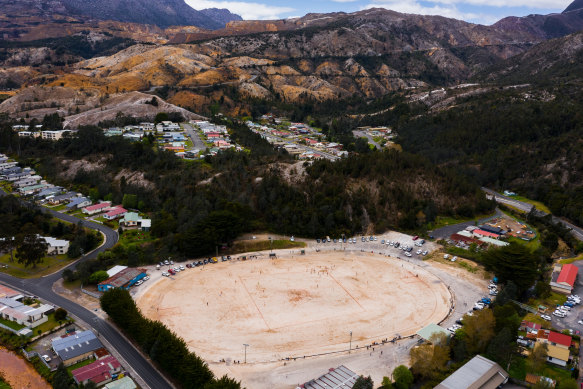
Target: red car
415	237
171	271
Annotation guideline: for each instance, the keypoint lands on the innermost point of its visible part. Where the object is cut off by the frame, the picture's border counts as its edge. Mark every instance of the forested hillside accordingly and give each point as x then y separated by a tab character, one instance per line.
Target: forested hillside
529	142
198	205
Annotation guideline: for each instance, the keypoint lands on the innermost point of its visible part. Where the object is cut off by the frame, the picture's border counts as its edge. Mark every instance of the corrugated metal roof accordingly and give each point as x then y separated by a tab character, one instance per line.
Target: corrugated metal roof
568	274
339	378
479	372
431	329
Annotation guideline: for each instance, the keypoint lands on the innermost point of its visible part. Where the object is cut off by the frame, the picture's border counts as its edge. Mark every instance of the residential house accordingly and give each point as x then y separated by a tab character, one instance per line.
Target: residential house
56	246
30	190
49	192
27	315
97	208
130	219
478	373
63	198
26	181
122	280
558	346
529	326
99	372
563	279
76	347
115	213
145	225
78	203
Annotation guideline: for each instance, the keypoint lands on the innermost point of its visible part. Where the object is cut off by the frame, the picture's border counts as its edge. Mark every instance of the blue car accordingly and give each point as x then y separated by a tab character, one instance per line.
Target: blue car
569	304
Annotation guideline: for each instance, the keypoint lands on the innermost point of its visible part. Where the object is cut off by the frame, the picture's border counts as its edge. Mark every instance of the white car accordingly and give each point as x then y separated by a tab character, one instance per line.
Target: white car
564	308
425	252
181	267
146	278
446	256
408	254
559	314
46	358
140	282
546	317
580	322
479	305
418	252
165	274
454	259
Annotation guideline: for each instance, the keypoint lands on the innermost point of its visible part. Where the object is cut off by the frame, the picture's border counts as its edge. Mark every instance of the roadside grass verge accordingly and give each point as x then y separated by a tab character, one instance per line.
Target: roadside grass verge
49	265
244	246
537	204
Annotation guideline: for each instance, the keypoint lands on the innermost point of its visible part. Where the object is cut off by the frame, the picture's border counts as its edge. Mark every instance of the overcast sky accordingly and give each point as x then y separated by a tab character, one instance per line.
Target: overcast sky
476	11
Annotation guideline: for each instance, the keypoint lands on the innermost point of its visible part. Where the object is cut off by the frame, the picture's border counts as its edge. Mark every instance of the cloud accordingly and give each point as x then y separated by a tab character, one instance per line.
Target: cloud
539	4
250	11
344	1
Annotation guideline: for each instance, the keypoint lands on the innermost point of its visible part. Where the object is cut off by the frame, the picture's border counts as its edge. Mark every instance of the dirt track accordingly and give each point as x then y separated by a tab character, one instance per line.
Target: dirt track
295	305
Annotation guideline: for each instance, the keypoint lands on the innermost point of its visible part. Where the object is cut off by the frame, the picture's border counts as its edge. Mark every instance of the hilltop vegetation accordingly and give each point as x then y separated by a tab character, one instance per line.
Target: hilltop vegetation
198	205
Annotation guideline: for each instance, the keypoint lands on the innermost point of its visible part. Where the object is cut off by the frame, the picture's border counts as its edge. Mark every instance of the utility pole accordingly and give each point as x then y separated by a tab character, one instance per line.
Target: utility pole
350	348
245	345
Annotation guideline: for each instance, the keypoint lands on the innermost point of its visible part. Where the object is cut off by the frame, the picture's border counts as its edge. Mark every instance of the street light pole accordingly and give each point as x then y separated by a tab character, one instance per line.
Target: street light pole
350	348
245	345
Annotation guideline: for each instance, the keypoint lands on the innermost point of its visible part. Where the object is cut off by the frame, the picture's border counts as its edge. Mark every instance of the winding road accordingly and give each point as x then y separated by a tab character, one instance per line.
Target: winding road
43	288
526	207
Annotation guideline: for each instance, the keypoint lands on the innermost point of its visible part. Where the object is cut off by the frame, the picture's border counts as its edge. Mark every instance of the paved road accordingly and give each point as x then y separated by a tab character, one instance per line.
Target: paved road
575	230
194	136
362	134
43	287
447	231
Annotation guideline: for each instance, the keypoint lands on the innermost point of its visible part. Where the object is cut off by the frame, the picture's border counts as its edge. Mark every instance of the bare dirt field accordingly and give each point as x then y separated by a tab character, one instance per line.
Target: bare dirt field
294	305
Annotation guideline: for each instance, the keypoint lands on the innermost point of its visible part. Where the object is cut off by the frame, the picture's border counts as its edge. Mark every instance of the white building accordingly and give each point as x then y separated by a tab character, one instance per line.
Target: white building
56	246
54	135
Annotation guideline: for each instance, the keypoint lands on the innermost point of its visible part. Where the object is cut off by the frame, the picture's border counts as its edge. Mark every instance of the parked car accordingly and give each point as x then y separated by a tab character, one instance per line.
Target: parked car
318	240
157	267
446	256
165	274
166	263
454	259
46	358
146	278
408	254
140	282
546	317
418	252
383	241
188	265
415	237
425	252
580	322
559	314
181	267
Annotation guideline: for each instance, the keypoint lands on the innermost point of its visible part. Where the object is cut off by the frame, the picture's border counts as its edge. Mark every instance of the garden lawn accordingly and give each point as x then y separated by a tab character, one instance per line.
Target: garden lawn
49	265
48	326
12	324
79	364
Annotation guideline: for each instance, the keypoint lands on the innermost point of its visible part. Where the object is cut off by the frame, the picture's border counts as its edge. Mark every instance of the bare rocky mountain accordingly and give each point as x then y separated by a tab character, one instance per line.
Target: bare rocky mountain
318	57
221	15
161	13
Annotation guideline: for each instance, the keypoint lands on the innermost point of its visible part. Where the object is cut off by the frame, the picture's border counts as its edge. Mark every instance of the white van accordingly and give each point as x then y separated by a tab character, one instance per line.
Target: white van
446	256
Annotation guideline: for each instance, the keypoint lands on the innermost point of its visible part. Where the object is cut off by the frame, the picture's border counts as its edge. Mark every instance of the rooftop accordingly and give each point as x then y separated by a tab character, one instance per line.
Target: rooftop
568	274
123	277
97	371
339	378
479	372
427	332
563	340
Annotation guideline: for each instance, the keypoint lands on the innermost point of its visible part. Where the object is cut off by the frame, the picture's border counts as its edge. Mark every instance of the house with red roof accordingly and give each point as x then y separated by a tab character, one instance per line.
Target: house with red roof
97	208
559	340
99	372
529	326
563	279
115	213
